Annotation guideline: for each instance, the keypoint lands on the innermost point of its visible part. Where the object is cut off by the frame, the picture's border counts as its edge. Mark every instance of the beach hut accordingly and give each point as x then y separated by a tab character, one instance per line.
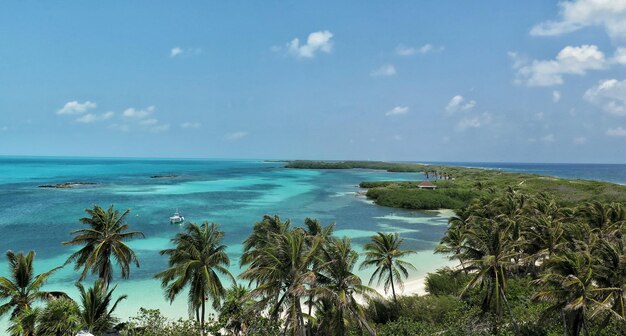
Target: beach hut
427	185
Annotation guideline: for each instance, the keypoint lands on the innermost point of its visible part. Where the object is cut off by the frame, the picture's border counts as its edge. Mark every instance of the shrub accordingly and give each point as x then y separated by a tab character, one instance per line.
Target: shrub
59	317
403	326
446	282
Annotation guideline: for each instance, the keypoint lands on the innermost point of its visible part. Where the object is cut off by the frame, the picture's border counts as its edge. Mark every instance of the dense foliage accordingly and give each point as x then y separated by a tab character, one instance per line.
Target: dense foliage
529	263
457	186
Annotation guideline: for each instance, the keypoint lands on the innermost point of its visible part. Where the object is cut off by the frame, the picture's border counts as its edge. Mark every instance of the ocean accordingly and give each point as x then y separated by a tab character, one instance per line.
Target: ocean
233	193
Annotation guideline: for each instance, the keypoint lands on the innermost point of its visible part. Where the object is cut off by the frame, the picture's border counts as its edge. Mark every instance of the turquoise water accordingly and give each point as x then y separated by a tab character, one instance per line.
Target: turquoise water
234	194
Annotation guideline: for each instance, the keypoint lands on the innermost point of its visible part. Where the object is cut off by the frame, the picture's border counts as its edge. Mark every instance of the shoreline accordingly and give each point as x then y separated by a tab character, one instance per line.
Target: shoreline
412	286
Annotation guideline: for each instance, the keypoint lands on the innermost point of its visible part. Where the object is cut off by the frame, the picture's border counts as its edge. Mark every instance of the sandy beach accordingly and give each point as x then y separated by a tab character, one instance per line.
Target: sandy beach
414	286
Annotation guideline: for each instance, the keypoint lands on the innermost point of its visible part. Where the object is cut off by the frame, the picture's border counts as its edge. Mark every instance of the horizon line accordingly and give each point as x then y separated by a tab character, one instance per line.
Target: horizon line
85	157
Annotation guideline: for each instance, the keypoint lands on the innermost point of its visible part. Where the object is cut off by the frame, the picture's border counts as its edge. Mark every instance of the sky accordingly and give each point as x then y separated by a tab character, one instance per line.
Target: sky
481	81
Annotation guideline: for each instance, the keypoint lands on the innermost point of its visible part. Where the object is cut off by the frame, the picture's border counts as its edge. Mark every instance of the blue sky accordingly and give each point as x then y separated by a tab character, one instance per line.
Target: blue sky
523	81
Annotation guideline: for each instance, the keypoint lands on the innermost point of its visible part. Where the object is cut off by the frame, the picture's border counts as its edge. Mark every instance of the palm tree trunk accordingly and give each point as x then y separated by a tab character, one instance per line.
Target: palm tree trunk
300	329
463	265
393	289
202	322
506	302
341	327
104	276
308	329
585	323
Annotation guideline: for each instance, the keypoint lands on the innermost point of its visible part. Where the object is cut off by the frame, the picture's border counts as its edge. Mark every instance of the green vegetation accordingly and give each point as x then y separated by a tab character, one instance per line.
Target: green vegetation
103	239
384	253
458	186
97	312
529	263
59	317
195	261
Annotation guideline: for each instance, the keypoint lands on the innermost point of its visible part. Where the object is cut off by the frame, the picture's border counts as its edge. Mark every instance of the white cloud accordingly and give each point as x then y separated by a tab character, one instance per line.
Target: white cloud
549	138
4	128
619	56
74	107
539	116
180	52
518	60
474	122
569	61
458	103
610	95
175	51
319	41
397	137
616	132
148	122
385	70
190	125
133	113
556	96
236	135
579	141
398	110
429	48
577	14
92	117
402	50
138	119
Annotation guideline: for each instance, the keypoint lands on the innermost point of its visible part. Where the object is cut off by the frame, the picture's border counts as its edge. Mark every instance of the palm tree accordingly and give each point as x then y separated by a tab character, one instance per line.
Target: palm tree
607	219
24	324
261	236
454	239
23	288
281	271
315	230
339	286
491	253
546	233
236	309
609	271
96	316
195	261
385	253
103	240
569	285
60	317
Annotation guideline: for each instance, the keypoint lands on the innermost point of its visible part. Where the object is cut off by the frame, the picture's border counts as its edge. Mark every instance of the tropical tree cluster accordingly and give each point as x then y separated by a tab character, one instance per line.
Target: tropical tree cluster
305	276
296	281
572	258
103	242
526	265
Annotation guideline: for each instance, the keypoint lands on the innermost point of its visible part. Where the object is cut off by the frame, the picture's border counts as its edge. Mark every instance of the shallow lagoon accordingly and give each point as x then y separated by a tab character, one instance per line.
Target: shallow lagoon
234	194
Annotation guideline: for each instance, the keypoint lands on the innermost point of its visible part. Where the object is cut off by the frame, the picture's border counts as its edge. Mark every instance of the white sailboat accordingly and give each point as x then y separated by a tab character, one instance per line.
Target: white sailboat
177	218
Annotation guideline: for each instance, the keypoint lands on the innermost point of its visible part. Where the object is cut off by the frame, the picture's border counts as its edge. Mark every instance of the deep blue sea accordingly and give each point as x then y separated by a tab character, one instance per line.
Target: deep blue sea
233	193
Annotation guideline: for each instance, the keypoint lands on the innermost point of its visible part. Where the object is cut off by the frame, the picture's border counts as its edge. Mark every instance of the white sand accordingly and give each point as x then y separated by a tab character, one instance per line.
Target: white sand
415	286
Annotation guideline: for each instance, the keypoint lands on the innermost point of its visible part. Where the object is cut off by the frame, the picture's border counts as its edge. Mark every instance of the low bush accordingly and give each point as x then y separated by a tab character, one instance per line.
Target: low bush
446	282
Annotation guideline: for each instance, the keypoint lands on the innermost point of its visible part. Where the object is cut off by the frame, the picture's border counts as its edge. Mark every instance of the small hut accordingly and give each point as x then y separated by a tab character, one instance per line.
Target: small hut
427	185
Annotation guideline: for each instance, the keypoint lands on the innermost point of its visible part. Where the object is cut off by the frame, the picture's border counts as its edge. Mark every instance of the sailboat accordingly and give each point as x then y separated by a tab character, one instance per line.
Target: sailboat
177	218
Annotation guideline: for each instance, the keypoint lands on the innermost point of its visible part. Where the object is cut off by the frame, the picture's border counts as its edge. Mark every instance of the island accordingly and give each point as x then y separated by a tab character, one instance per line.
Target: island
456	187
164	176
67	185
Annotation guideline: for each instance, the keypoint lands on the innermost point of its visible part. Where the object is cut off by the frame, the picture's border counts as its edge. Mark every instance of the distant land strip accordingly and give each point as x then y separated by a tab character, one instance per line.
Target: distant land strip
456	187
